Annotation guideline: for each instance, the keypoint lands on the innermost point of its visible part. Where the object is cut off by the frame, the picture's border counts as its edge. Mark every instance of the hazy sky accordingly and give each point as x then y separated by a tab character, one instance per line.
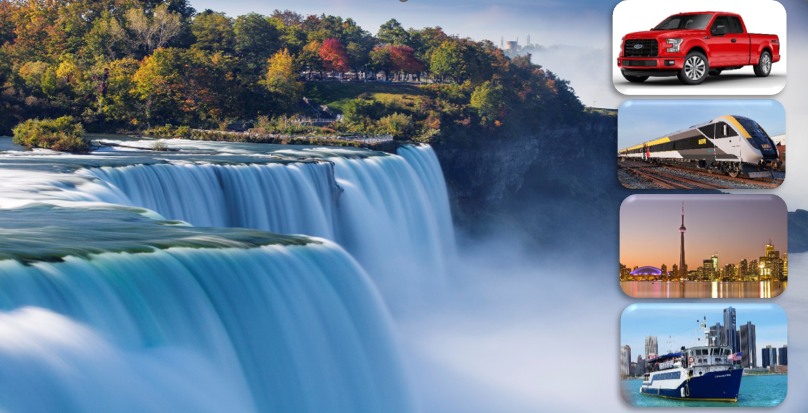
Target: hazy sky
733	226
677	322
643	120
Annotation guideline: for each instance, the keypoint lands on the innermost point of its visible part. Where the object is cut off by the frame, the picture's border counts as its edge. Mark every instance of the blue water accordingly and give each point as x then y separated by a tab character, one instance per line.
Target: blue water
106	306
756	391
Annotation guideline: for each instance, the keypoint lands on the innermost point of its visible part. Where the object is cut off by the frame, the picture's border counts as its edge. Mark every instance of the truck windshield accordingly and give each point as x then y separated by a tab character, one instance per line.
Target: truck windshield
757	136
685	22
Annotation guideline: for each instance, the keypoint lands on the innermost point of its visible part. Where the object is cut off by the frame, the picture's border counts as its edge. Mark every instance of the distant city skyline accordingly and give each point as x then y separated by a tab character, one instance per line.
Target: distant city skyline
677	323
734	227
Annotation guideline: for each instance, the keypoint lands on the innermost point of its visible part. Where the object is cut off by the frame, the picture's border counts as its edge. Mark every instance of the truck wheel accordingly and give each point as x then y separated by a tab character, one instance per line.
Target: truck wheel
764	66
694	70
635	79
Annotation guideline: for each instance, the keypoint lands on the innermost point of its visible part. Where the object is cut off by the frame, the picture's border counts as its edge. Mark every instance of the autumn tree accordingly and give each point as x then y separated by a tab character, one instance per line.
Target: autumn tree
447	61
334	56
404	61
281	80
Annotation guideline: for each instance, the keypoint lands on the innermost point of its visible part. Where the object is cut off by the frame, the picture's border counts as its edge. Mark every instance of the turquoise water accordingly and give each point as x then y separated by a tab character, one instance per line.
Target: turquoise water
756	391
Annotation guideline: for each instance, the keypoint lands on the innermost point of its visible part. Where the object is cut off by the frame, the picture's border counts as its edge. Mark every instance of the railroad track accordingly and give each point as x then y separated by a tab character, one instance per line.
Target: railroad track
664	183
755	181
690	181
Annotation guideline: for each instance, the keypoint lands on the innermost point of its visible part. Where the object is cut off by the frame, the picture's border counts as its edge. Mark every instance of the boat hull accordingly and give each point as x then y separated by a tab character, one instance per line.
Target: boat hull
721	386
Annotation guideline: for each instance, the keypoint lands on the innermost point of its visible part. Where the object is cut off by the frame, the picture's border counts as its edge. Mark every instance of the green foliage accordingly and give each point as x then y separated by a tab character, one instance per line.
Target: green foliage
121	65
61	134
358	110
213	31
487	99
401	126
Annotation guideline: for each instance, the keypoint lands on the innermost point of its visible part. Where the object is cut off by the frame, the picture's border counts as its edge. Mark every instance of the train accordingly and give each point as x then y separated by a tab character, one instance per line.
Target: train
730	144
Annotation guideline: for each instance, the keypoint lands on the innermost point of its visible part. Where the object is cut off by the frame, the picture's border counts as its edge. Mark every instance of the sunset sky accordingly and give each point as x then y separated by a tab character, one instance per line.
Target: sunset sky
733	226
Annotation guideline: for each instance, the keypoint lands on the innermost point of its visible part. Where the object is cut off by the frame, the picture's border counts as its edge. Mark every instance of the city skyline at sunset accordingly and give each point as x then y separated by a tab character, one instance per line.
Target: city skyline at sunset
733	227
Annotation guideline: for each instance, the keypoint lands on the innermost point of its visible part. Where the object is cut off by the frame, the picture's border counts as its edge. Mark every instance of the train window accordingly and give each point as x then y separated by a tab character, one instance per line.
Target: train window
723	130
708	131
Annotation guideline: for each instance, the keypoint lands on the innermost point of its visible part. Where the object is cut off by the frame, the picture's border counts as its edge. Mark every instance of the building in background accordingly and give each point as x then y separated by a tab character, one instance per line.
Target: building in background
625	360
715	338
729	336
748	345
651	347
640	369
783	356
769	358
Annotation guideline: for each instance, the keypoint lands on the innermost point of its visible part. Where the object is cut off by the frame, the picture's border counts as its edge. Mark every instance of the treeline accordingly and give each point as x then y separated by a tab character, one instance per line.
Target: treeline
135	64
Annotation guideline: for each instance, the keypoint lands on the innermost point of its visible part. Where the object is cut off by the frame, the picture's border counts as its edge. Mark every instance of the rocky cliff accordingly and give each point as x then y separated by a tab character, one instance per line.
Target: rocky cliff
544	185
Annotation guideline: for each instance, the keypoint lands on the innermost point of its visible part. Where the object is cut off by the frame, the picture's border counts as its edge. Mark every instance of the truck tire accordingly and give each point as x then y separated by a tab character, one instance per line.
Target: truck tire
695	69
764	66
635	79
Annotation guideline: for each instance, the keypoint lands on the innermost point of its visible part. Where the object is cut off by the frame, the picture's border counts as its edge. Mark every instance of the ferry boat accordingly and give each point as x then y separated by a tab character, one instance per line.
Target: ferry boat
701	373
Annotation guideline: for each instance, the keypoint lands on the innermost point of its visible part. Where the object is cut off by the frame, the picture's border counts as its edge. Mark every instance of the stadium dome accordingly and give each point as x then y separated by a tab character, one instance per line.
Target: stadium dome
647	271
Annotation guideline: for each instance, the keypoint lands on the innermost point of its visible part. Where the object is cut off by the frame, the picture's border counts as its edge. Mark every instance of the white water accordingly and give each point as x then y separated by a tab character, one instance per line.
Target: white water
214	329
270	329
390	212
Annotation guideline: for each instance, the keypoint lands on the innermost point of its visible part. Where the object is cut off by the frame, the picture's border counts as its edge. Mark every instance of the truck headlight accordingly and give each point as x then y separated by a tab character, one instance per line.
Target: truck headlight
674	43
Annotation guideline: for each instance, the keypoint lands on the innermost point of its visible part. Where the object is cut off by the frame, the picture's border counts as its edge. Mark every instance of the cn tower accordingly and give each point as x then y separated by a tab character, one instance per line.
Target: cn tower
682	229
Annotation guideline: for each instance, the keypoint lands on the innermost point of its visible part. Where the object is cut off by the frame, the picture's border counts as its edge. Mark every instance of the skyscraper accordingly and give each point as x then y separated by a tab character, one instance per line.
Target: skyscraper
748	345
715	335
783	360
625	360
769	357
682	229
651	346
729	336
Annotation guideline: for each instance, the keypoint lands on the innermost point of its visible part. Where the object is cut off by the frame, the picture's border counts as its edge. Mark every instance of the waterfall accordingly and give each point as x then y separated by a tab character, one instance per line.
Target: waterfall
267	329
390	212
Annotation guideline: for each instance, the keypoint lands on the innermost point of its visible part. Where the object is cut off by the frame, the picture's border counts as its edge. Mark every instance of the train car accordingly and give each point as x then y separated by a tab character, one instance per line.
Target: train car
729	144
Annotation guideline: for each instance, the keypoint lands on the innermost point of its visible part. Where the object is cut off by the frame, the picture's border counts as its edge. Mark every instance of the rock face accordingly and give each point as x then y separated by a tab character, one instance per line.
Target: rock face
558	178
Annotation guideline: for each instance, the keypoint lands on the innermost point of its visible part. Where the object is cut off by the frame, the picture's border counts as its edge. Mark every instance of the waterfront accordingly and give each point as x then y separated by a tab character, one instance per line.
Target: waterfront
756	391
702	289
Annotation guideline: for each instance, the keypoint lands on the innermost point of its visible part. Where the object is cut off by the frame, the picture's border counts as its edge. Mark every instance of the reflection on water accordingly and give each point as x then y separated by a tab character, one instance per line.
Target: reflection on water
701	289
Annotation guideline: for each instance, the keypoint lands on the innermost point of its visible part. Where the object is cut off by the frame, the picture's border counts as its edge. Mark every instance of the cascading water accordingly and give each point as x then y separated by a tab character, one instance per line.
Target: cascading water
390	212
241	321
104	306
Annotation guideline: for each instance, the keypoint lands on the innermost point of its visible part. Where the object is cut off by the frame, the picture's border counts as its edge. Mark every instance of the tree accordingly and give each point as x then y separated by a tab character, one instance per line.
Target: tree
358	55
281	79
403	59
448	61
213	31
334	57
487	99
288	17
148	31
381	61
256	40
310	57
393	33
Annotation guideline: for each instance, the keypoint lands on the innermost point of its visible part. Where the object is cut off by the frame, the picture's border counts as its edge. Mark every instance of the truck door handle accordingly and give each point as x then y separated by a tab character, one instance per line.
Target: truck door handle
733	40
706	37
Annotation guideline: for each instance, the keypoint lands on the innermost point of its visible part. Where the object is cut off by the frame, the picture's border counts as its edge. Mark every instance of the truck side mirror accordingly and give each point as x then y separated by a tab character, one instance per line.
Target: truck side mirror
719	30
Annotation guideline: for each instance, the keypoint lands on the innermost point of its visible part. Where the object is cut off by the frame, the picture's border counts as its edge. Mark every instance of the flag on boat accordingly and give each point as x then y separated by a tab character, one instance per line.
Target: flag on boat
736	357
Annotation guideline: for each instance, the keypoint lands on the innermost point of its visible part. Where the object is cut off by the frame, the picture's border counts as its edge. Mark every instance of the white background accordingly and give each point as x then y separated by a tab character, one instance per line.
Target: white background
759	16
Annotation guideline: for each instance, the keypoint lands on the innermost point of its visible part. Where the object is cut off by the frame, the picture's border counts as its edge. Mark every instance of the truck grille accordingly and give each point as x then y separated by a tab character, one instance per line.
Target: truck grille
650	48
643	63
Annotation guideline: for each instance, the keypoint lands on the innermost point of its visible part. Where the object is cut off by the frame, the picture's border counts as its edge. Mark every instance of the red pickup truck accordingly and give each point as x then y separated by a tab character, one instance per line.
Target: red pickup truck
693	46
